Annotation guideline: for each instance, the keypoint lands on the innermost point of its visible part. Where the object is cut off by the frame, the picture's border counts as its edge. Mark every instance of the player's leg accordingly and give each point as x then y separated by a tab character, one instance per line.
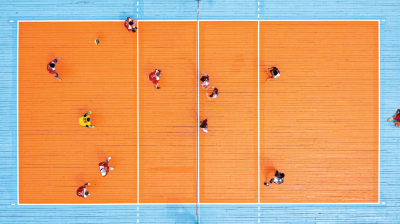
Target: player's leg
56	75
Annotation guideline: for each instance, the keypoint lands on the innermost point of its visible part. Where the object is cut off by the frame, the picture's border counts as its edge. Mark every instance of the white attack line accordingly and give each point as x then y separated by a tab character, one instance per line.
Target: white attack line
258	103
198	114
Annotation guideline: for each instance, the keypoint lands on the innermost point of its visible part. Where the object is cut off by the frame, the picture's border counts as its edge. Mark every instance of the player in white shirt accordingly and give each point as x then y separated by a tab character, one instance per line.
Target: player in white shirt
104	168
278	179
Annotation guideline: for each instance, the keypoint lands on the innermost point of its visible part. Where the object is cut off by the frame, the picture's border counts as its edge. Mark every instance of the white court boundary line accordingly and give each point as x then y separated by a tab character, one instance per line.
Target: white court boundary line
216	204
146	20
17	113
379	112
379	151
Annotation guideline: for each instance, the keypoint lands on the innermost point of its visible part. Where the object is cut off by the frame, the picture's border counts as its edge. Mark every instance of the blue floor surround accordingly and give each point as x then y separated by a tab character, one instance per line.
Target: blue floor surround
387	11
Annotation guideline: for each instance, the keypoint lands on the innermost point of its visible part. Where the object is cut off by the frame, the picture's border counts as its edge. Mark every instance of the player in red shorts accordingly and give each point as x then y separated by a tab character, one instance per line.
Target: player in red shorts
214	94
104	168
82	192
273	73
396	118
154	77
204	125
51	68
130	24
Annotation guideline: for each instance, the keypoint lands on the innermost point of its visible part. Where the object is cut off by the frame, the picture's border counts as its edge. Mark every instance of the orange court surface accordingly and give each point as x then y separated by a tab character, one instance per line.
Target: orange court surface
309	123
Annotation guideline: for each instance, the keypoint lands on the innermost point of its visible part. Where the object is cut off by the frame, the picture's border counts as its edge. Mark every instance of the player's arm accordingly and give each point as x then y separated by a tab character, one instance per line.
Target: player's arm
87	113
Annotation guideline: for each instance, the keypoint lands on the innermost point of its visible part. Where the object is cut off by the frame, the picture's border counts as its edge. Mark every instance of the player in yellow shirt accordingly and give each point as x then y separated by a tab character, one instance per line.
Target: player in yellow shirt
85	120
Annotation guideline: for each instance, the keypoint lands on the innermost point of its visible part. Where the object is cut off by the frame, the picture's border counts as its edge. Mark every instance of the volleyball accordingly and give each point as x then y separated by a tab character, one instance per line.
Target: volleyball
97	41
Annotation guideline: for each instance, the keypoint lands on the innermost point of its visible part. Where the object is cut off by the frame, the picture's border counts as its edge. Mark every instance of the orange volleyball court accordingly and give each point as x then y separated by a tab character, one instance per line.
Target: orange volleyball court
306	123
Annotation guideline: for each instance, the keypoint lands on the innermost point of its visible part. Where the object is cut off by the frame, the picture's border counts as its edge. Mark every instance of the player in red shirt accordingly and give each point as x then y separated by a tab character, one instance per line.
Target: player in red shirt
205	79
130	24
273	73
154	77
214	94
51	68
396	118
82	192
204	125
104	168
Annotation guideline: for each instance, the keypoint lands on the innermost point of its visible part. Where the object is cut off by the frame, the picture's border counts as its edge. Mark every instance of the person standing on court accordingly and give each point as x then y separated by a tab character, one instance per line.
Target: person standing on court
214	93
51	68
205	79
273	73
104	168
130	24
82	191
278	179
204	125
396	118
154	77
85	120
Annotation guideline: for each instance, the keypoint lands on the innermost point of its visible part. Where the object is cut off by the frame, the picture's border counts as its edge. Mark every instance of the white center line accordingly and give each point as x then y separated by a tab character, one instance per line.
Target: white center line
137	116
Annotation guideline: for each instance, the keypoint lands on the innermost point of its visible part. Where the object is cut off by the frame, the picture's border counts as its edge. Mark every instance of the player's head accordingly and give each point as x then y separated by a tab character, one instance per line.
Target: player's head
215	91
158	73
204	78
103	170
87	193
52	65
88	119
131	23
276	72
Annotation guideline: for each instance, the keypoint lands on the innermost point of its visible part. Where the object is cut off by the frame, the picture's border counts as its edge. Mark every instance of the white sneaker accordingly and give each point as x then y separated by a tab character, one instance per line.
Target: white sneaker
109	158
88	183
111	168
